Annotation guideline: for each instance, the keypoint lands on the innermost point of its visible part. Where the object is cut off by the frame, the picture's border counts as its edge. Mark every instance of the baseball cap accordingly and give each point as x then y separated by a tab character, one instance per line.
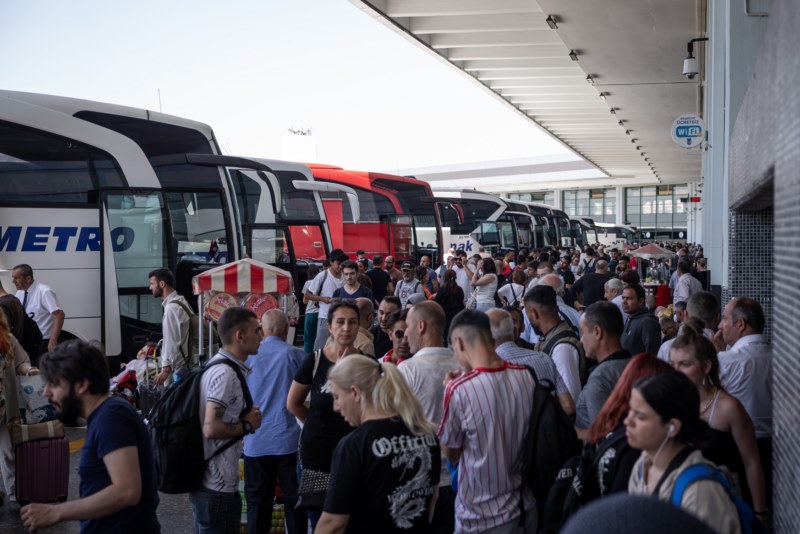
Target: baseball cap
407	266
337	254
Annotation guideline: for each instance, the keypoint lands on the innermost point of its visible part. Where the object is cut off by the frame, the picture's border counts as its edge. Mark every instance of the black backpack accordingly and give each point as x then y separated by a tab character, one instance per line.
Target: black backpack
176	432
549	442
32	337
575	485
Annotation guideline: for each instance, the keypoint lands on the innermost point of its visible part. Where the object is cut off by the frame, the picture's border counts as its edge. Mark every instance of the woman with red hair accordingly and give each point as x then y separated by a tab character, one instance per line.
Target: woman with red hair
613	457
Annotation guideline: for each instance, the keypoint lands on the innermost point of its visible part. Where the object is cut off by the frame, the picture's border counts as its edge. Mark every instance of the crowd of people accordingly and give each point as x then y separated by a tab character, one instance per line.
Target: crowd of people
408	407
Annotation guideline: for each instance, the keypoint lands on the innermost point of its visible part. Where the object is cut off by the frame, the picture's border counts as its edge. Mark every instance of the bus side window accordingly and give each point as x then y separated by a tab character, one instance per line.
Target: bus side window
198	225
39	167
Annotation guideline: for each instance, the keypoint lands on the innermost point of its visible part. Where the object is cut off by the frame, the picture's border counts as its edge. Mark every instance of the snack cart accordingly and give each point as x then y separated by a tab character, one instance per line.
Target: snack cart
247	283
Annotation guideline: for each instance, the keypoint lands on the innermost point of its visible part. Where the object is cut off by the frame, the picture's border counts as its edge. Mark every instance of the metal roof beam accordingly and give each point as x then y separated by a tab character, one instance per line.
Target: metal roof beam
438	8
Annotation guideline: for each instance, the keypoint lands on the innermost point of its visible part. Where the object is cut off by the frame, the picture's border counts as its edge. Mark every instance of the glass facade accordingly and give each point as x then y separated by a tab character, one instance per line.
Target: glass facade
540	197
657	210
599	204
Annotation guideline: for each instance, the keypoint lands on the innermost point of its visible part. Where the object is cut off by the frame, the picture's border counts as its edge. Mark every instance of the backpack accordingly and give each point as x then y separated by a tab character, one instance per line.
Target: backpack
575	485
32	337
588	266
549	442
194	336
176	432
747	518
566	334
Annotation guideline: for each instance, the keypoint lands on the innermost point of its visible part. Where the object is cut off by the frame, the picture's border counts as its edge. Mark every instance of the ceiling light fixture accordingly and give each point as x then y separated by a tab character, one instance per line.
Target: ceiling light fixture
622	123
603	96
590	79
551	21
627	132
573	55
613	111
638	147
634	141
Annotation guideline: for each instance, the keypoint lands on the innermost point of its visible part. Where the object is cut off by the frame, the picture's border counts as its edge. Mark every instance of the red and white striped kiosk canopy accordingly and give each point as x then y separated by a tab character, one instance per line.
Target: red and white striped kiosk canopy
243	276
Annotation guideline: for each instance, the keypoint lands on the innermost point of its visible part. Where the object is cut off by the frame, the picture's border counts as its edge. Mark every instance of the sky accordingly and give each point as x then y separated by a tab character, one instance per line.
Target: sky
252	69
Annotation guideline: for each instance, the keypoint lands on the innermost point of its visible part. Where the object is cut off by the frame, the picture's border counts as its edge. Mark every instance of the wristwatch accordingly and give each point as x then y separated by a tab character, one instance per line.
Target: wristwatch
247	427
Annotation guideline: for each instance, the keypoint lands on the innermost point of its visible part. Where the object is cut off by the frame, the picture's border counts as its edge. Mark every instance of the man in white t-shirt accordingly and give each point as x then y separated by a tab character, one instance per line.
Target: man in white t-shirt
425	373
462	274
225	416
321	291
41	304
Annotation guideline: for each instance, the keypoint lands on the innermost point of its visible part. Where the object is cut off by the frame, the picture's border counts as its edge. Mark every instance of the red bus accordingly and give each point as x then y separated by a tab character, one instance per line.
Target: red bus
398	215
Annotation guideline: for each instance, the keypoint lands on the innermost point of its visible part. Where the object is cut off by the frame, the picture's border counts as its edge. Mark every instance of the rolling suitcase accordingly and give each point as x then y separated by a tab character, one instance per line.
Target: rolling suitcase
42	471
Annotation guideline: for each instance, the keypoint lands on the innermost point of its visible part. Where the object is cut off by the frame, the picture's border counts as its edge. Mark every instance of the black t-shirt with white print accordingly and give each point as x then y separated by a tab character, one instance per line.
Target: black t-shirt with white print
383	476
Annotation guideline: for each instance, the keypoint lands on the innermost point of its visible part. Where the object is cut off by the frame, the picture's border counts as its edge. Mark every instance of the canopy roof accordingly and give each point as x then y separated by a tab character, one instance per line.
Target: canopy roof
244	276
652	251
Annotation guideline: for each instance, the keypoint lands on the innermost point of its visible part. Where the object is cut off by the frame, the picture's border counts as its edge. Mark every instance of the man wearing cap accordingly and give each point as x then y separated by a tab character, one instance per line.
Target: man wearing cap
408	285
321	290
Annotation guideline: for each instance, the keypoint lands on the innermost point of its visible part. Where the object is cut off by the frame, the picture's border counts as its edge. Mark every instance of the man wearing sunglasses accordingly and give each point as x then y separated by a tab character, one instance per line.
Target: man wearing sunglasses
396	324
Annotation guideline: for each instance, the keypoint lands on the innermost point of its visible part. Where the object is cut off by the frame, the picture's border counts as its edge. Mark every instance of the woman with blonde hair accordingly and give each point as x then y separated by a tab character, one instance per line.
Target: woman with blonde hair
385	473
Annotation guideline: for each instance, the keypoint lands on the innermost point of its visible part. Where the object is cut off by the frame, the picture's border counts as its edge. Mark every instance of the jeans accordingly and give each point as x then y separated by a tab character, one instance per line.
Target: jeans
216	512
444	512
310	331
260	476
322	333
484	306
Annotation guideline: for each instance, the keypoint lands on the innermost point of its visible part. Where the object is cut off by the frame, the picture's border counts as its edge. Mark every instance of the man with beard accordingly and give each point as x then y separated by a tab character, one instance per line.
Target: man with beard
642	331
117	473
175	325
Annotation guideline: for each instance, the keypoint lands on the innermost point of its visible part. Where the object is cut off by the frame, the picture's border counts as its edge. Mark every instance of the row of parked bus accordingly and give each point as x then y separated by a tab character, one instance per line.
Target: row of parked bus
94	196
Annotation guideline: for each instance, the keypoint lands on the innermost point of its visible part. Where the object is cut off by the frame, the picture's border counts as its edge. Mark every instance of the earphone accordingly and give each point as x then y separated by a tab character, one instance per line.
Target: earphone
671	429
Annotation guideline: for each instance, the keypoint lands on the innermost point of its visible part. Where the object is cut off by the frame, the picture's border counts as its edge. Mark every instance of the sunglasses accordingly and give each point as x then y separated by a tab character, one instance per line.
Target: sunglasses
399	334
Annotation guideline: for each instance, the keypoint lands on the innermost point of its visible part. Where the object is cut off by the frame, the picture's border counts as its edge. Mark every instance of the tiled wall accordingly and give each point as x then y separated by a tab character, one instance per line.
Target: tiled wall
766	135
750	267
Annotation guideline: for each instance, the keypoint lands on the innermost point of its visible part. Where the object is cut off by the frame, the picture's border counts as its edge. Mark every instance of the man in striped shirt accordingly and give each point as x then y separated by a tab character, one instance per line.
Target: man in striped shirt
487	408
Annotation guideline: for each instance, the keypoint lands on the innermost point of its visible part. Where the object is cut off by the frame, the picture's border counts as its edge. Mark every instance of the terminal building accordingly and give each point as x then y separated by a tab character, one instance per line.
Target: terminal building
610	80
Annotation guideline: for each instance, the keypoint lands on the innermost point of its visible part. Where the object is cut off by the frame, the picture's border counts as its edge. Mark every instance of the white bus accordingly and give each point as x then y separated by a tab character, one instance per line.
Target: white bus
584	231
472	219
617	235
94	196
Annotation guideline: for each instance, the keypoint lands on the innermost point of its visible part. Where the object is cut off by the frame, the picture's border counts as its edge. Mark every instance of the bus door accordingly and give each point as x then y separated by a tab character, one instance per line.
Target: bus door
134	243
524	225
489	236
508	237
400	237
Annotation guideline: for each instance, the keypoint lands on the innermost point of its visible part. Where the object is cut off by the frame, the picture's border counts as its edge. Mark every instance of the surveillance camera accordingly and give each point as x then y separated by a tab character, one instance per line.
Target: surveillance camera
690	68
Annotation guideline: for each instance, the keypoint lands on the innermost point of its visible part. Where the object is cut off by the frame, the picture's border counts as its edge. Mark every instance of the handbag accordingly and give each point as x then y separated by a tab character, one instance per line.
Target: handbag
472	301
312	488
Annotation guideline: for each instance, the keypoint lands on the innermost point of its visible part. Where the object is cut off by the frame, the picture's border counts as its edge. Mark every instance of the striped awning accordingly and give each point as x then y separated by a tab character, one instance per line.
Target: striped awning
244	276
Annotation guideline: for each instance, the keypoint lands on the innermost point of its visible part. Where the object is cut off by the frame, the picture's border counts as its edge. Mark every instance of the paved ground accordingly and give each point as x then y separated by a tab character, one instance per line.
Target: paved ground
174	512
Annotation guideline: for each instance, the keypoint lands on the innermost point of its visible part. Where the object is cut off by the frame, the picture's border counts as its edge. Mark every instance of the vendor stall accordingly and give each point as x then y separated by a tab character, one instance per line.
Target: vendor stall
247	283
651	285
